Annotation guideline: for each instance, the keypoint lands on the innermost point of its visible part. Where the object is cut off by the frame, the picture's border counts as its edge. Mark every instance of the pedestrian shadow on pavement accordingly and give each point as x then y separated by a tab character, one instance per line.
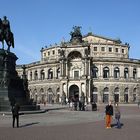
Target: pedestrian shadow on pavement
29	124
115	125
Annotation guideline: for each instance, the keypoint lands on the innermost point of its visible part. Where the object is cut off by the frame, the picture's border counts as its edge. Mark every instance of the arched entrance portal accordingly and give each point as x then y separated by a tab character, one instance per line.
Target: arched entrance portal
74	92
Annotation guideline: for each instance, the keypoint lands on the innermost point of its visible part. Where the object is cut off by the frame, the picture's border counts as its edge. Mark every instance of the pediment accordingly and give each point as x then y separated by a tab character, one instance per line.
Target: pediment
97	39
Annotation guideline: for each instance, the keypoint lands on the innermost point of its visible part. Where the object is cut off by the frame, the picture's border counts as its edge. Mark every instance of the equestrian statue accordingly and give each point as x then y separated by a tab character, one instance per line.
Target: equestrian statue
6	34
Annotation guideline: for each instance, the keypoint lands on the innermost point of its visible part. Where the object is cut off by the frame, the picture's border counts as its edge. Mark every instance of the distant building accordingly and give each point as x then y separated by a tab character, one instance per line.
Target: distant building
96	66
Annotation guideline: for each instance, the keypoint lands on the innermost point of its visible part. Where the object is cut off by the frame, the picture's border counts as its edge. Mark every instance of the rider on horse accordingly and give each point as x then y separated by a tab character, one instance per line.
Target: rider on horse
5	33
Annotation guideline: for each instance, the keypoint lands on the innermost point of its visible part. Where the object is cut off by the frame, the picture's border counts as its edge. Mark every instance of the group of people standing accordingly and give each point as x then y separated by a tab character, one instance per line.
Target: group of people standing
109	111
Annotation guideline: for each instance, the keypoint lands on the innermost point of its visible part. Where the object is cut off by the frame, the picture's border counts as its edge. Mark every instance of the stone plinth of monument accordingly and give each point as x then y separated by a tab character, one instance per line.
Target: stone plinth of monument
13	89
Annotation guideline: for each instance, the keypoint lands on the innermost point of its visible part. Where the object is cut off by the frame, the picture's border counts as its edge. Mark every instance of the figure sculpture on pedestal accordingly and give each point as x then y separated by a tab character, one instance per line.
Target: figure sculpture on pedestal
13	89
6	34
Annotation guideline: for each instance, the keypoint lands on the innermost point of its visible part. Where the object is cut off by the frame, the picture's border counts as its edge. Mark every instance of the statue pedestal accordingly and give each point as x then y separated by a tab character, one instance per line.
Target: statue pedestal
5	104
7	73
13	89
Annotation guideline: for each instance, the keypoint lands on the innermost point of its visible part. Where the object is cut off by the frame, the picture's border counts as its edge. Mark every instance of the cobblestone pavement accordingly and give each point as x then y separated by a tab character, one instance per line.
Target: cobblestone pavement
72	125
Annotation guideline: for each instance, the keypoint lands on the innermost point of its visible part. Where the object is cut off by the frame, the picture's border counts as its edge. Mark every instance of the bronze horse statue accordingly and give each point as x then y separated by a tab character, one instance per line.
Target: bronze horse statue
6	35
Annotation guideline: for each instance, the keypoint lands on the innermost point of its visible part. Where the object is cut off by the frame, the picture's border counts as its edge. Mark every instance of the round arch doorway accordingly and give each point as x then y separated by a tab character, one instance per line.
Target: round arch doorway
74	93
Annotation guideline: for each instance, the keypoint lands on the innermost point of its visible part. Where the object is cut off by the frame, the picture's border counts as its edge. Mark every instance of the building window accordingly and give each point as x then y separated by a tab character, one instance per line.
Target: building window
116	49
110	49
116	94
42	74
44	54
95	48
53	52
122	50
116	72
76	74
50	74
106	95
58	73
126	73
134	73
134	95
106	72
126	95
102	49
95	72
36	75
94	96
30	75
48	53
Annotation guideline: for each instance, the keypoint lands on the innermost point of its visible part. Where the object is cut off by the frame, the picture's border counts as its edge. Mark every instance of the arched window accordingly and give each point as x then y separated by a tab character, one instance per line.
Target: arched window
106	90
31	76
134	73
74	55
50	96
116	90
116	72
42	74
95	72
95	90
126	95
58	95
126	73
116	94
36	75
106	72
58	73
94	97
106	95
50	74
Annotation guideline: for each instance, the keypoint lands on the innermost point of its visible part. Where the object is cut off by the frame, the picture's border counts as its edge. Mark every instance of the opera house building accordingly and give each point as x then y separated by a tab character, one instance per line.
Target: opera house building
91	65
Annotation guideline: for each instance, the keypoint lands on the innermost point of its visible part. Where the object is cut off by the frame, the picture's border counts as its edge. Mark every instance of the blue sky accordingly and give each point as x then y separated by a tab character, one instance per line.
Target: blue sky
37	23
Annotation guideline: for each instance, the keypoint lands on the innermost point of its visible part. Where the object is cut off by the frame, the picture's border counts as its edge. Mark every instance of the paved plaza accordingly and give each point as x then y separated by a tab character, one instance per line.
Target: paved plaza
64	124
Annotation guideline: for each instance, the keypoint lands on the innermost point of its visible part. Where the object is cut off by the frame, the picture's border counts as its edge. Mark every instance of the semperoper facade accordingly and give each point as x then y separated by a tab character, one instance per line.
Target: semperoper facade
92	65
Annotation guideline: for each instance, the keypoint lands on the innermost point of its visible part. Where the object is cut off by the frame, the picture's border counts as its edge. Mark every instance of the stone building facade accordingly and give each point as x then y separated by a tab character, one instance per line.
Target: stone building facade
92	65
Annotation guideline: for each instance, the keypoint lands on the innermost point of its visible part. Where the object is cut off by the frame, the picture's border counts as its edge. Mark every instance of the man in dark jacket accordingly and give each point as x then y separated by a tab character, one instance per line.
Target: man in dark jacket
109	114
15	113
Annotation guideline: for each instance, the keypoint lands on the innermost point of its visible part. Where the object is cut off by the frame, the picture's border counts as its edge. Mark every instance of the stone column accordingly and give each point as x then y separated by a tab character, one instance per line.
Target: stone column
66	63
101	71
85	66
39	74
112	71
33	74
46	73
89	91
121	72
130	72
89	70
28	75
61	68
55	72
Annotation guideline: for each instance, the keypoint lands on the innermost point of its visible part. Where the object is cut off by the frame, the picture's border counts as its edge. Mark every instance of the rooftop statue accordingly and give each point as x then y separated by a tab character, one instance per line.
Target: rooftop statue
76	36
5	33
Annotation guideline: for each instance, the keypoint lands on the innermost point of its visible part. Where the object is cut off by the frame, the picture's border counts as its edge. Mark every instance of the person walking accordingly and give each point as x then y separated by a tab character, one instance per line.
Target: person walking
15	114
117	115
109	114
